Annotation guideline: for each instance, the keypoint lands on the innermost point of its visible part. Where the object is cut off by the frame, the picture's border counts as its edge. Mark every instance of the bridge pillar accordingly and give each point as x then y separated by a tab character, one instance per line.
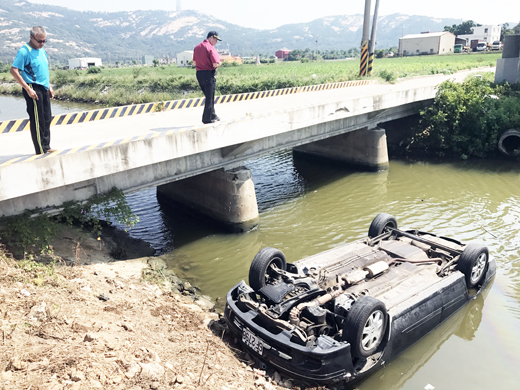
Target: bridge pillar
365	148
227	196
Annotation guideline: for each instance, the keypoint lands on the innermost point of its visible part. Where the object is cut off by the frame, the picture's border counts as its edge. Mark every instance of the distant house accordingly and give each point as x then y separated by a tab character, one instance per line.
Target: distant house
184	57
427	43
282	53
489	34
230	58
83	63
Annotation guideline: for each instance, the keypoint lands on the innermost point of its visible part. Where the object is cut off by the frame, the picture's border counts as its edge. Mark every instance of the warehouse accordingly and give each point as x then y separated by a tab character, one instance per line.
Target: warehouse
426	43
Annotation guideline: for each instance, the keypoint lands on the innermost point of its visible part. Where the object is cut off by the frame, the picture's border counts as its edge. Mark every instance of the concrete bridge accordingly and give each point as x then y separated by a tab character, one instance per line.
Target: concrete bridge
201	165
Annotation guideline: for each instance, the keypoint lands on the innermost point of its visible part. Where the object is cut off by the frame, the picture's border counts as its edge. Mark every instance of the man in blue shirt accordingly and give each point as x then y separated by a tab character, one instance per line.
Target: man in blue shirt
31	70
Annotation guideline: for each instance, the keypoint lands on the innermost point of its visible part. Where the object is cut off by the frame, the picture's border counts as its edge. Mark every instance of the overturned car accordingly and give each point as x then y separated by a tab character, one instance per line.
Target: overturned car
339	315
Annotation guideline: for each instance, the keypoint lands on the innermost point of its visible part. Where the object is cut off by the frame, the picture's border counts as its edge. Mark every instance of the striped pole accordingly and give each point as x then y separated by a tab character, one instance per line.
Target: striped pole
364	40
364	57
370	63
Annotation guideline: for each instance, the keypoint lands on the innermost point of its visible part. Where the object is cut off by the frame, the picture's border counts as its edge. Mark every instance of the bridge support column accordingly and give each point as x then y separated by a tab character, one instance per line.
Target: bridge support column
227	196
364	148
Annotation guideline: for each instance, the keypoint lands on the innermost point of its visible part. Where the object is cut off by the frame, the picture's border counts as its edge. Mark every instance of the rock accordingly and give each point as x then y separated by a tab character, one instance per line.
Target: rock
18	364
119	284
89	337
38	312
103	297
288	384
25	293
77	376
132	370
6	375
86	289
187	285
128	327
154	385
205	303
151	371
169	366
277	377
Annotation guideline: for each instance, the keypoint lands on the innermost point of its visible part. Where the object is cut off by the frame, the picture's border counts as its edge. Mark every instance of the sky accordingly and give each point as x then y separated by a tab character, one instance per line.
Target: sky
269	14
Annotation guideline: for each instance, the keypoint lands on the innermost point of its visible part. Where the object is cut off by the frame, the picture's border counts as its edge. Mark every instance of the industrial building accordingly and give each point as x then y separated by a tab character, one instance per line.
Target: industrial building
427	43
84	63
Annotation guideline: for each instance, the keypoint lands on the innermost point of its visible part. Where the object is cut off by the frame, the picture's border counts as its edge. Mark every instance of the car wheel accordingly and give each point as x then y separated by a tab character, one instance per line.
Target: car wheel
380	223
260	271
365	326
473	263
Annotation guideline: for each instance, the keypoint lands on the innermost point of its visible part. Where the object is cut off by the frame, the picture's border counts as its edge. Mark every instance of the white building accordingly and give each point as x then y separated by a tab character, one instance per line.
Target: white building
489	34
83	63
427	43
184	57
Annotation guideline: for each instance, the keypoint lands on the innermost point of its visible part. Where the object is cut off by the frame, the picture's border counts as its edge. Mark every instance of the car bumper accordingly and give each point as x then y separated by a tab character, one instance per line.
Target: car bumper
329	363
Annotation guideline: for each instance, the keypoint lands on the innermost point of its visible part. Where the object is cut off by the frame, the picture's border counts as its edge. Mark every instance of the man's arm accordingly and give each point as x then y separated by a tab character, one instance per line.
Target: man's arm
18	77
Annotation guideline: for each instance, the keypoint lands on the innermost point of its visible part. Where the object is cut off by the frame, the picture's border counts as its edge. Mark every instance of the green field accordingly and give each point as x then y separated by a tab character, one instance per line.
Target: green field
120	86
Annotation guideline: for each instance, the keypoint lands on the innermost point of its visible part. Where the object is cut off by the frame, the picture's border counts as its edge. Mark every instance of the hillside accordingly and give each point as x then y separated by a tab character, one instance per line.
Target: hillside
123	36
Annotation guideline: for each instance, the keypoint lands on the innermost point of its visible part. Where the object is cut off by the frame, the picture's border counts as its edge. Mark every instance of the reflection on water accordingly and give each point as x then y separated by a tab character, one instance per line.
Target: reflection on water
307	207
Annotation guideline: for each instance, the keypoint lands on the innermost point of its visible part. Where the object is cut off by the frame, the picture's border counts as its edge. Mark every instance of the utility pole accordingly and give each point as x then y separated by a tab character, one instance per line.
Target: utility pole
364	40
372	40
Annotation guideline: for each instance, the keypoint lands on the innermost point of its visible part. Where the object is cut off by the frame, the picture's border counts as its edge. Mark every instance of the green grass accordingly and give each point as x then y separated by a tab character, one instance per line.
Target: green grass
120	86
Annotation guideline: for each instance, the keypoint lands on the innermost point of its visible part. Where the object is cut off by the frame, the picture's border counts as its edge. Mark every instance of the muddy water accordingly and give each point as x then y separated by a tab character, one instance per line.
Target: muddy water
306	208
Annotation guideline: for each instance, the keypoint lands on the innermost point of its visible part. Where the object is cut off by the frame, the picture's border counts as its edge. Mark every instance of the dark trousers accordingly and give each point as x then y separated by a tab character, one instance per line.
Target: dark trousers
39	118
208	83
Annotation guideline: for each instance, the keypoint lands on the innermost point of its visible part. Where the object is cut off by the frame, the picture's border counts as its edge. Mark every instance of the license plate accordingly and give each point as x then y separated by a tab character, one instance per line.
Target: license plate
252	341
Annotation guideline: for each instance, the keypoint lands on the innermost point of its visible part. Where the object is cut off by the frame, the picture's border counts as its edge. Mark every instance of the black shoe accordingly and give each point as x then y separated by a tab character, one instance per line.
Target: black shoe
216	119
213	121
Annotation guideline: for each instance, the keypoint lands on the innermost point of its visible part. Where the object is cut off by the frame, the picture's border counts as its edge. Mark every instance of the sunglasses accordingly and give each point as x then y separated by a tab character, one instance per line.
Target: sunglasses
40	41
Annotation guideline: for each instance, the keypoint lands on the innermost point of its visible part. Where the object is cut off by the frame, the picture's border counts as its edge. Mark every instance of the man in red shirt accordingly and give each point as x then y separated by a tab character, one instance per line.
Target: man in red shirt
206	61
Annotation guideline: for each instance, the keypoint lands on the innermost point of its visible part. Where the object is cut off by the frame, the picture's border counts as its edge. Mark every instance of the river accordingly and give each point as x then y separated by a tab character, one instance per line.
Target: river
308	207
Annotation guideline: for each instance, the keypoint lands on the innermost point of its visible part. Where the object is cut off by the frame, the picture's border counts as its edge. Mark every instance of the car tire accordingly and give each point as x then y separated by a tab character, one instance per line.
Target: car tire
365	326
259	271
473	263
380	223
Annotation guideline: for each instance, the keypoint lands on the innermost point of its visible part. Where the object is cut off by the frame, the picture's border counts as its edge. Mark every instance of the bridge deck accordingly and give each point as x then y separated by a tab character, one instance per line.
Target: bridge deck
17	147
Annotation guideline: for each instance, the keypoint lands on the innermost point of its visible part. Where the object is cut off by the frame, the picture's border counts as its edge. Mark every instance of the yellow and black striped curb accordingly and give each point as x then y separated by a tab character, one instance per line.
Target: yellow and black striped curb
16	125
148	135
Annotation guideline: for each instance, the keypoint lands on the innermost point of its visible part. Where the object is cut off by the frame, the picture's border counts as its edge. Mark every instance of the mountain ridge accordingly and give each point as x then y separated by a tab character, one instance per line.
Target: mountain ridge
123	36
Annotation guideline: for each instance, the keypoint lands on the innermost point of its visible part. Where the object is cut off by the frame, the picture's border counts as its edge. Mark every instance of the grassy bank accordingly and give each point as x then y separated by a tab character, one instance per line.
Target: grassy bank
120	86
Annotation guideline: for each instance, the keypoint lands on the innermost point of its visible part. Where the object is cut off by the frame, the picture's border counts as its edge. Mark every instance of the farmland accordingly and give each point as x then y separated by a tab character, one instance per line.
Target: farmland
139	84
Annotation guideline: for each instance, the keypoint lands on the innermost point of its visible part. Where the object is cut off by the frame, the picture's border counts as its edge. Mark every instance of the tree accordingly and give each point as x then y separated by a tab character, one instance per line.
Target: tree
155	62
509	31
461	29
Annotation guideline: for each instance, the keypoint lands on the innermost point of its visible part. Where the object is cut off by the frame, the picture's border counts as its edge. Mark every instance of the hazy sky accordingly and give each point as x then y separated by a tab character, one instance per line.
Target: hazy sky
268	14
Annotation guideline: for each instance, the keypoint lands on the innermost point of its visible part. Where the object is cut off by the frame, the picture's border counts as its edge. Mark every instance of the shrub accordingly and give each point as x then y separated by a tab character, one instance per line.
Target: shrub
467	119
94	70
